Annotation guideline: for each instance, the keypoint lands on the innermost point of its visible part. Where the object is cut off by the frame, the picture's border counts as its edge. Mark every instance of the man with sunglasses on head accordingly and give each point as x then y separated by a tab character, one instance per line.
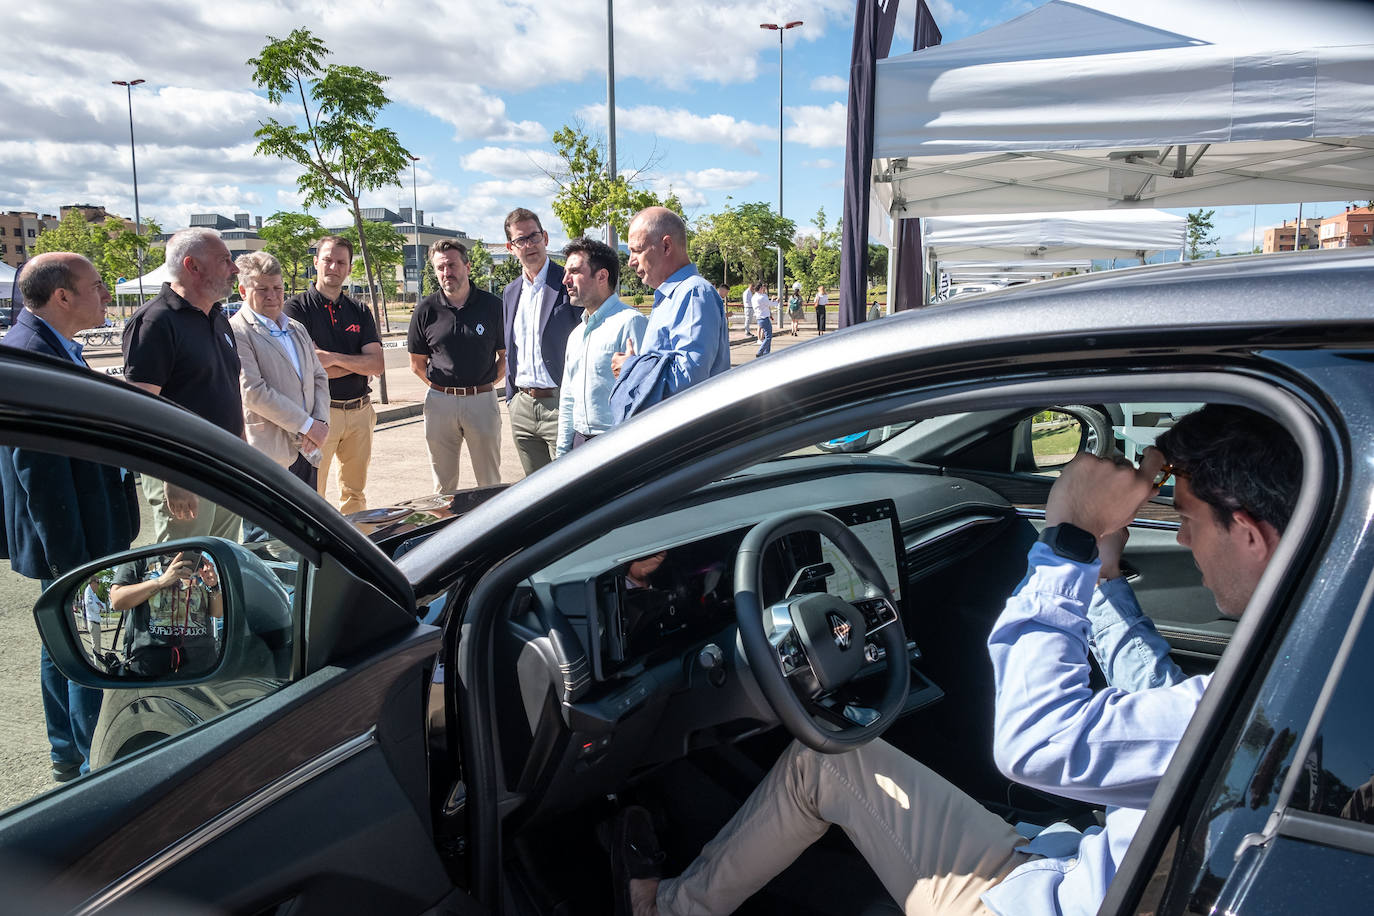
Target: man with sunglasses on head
936	849
538	319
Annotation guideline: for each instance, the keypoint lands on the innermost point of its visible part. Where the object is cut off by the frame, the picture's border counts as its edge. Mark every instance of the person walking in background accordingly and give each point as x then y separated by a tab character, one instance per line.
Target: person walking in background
763	314
748	307
458	349
822	301
608	326
62	512
285	389
350	350
538	319
794	308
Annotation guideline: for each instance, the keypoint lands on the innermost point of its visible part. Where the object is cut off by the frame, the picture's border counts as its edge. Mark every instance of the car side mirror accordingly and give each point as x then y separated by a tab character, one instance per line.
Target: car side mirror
181	612
1059	433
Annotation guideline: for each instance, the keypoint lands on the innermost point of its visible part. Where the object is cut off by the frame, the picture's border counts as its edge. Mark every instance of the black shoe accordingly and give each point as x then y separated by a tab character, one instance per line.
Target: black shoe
635	854
65	772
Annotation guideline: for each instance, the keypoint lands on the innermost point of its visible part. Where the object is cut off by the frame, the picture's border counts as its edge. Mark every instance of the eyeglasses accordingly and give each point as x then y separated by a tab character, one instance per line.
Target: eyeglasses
526	241
1165	472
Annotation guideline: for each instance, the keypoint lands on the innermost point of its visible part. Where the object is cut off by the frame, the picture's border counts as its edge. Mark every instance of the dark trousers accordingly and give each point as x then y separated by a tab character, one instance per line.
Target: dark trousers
69	710
305	471
820	319
765	336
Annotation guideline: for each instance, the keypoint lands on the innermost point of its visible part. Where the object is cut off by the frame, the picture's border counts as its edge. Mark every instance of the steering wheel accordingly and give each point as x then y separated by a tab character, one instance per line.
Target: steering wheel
805	648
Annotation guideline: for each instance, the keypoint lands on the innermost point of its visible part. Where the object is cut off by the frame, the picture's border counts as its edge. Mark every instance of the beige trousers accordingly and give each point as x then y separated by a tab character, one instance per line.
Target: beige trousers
211	519
935	849
451	419
349	440
534	427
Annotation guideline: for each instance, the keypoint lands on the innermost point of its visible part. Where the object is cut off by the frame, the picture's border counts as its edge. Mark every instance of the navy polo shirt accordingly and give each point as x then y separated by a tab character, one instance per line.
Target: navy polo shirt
460	341
342	326
189	354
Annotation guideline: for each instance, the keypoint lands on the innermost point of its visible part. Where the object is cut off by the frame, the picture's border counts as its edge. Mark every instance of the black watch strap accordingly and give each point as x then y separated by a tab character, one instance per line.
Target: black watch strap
1071	542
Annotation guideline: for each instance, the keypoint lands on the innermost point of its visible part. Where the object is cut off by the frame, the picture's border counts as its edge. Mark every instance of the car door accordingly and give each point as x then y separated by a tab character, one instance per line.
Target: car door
313	795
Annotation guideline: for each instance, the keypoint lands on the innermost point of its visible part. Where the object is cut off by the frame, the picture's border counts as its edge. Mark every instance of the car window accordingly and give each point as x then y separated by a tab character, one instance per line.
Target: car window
144	616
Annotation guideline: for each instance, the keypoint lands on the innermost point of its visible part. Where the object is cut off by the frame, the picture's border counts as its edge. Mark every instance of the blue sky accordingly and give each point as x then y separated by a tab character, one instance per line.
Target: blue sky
477	90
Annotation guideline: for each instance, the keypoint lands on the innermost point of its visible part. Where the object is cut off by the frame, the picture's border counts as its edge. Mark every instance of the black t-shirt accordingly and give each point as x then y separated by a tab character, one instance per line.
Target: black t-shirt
189	354
339	327
461	343
172	629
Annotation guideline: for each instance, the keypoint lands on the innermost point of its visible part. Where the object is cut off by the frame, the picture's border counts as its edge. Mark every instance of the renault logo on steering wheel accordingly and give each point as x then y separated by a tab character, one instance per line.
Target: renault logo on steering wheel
839	628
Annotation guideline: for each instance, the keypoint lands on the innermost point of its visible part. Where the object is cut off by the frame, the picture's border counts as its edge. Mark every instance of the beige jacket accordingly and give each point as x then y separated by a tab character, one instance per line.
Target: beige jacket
277	401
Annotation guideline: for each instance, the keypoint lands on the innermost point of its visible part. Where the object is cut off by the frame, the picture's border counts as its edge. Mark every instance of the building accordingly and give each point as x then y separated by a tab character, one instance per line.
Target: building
19	229
1280	238
1349	229
239	234
415	247
96	214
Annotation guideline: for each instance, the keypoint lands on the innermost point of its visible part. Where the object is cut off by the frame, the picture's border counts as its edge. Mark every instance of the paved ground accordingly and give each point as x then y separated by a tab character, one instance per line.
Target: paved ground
400	469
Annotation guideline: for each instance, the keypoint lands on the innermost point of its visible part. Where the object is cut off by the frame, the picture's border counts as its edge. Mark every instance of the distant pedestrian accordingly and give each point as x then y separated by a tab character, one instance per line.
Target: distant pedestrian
538	319
180	345
748	306
794	309
608	326
285	389
350	350
457	348
763	314
822	302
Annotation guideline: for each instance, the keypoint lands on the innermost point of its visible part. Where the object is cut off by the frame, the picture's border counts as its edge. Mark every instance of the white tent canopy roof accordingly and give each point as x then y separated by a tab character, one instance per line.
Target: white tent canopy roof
1074	235
1109	104
152	283
1010	270
7	275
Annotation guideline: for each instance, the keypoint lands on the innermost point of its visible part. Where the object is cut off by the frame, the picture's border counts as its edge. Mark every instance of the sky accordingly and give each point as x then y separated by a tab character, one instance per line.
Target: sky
477	89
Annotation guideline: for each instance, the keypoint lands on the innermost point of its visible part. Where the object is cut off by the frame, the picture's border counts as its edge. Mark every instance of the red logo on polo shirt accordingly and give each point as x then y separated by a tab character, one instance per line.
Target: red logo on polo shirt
353	329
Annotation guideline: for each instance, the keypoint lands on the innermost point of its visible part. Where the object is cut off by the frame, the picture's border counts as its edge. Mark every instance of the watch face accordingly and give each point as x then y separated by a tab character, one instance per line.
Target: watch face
1071	542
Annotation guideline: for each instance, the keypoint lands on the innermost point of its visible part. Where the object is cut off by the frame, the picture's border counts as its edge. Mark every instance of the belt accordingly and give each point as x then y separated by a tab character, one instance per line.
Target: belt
541	392
461	392
354	404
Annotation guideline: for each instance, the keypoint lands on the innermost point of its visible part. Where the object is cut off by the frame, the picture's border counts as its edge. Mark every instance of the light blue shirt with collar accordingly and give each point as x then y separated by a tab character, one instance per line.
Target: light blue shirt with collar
72	347
584	401
688	320
1053	732
281	333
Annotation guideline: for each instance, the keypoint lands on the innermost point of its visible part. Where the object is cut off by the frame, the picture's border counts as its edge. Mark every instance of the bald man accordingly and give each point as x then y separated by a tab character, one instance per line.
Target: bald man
61	512
687	337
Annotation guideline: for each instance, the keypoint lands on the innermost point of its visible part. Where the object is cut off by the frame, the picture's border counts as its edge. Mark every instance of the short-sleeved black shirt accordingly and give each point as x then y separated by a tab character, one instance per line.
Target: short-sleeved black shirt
343	326
461	343
189	354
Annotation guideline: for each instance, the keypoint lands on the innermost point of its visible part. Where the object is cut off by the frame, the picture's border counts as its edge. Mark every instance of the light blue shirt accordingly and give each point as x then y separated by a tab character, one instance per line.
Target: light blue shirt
688	320
281	333
1054	733
72	347
584	400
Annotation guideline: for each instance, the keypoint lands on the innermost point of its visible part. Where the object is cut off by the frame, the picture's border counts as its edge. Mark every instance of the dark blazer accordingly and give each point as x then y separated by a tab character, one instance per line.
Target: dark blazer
60	512
557	318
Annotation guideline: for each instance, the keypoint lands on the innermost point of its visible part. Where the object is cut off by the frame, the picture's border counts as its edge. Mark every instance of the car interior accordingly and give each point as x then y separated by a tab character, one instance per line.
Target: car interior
622	676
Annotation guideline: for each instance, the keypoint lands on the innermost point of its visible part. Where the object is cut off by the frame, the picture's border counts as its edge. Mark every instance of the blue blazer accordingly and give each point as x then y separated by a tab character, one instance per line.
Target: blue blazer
60	512
557	318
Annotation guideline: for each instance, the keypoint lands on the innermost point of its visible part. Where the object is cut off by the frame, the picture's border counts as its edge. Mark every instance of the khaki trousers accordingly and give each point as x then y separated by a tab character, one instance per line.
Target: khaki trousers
934	848
534	427
349	440
452	418
211	519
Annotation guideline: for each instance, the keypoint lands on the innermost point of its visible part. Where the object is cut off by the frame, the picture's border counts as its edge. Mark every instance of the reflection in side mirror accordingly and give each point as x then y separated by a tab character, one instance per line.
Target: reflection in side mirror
1055	438
151	616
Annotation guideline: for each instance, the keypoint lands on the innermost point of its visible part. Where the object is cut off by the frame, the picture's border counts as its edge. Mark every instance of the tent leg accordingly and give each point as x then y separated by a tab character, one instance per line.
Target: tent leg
892	253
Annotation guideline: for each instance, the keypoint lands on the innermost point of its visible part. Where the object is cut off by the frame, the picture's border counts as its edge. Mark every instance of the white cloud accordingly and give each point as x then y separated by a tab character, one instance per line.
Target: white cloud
721	179
830	84
681	124
510	162
819	126
820	164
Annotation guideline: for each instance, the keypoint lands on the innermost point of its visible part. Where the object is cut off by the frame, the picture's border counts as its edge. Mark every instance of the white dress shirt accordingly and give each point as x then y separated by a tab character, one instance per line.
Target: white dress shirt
763	307
530	371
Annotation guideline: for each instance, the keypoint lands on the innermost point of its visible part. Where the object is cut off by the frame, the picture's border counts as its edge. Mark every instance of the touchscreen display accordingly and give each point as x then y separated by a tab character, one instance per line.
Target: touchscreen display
878	538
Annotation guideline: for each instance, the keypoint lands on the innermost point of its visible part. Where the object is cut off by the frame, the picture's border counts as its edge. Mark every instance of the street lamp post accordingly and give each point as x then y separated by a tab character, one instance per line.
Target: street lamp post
415	225
780	28
133	158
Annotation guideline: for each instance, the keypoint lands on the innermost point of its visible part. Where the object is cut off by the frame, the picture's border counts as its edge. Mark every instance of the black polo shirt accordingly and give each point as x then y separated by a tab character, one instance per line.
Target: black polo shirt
343	326
189	354
461	342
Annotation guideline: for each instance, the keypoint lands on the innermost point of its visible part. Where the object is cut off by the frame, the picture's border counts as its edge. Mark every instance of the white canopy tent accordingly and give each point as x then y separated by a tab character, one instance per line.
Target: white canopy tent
1115	104
152	283
1062	236
1037	269
7	275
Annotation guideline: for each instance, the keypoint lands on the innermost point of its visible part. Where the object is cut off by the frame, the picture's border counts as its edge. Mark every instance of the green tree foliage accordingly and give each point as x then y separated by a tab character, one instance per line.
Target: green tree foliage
877	263
480	262
340	149
502	272
815	259
587	197
746	238
388	248
113	247
73	234
1199	233
290	237
430	281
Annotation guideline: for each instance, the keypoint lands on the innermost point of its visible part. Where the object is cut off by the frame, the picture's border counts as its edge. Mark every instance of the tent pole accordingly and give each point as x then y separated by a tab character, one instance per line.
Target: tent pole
893	250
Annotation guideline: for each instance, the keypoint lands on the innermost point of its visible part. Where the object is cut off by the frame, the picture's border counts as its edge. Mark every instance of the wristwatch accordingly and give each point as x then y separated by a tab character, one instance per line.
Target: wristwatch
1071	542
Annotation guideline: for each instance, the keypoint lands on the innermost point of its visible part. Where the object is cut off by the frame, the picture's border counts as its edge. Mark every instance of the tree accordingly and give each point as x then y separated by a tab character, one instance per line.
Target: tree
504	271
388	248
877	262
123	248
290	237
341	150
589	198
76	235
815	259
481	263
1199	232
747	238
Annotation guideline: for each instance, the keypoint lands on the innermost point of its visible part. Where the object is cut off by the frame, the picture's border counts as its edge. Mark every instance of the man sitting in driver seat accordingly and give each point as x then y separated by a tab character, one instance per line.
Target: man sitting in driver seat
937	850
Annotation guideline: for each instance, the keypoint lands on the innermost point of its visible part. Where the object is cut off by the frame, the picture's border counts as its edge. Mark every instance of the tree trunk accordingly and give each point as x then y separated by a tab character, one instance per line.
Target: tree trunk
371	289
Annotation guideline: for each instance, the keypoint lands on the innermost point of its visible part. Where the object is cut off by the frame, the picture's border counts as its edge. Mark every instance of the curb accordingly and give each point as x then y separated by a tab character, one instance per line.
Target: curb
399	412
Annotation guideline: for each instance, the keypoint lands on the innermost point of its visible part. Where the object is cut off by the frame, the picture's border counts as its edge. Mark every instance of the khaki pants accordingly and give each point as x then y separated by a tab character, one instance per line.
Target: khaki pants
934	848
534	427
211	519
452	418
349	440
